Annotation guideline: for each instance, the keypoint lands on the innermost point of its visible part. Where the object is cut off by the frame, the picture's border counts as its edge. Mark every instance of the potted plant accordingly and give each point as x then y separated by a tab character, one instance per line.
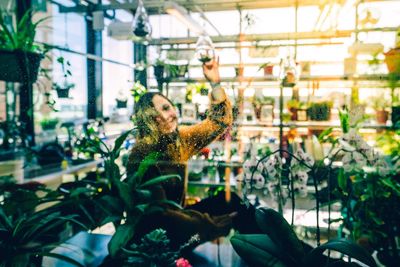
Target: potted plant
49	123
122	100
380	105
19	56
292	105
63	88
278	245
259	102
158	68
298	110
392	57
268	68
177	70
319	111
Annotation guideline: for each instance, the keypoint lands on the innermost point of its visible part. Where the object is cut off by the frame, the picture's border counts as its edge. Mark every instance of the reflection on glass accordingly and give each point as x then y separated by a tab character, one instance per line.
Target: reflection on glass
204	49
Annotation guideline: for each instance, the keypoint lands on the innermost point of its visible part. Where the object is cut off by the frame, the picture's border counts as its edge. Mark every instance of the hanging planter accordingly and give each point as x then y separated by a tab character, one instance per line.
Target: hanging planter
19	66
20	56
177	71
122	103
63	91
159	72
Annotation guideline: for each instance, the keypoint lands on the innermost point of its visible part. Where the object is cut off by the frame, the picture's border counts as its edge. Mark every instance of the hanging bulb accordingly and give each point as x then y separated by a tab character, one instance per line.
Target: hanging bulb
289	73
204	48
142	27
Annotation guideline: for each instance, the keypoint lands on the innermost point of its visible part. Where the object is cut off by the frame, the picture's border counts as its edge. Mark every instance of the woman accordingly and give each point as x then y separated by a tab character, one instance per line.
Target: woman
158	132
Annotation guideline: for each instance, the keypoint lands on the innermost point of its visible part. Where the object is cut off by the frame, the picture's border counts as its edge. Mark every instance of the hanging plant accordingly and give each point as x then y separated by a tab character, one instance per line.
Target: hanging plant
19	55
63	88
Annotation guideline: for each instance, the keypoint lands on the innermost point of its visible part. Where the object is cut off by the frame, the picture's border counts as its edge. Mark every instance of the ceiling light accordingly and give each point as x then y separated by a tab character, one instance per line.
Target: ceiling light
182	15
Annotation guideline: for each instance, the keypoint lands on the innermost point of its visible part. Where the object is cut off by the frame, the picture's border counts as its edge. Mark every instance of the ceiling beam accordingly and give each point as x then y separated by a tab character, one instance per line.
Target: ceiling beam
258	37
154	7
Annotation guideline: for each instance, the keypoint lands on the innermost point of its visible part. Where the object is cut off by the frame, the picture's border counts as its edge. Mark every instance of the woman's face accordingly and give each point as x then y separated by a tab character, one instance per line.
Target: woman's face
167	118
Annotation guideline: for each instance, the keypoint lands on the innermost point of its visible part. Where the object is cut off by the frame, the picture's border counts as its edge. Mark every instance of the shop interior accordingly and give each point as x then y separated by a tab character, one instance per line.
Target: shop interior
314	143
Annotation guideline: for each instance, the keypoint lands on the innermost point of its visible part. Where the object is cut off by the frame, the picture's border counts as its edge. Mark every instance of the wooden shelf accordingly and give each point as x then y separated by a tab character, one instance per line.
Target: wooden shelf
271	78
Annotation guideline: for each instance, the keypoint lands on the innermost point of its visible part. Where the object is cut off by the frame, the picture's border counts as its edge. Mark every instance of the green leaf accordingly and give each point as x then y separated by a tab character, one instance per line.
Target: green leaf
8	33
344	120
4	220
125	193
389	183
172	203
120	140
324	135
148	161
342	180
123	234
258	250
343	246
281	233
61	257
142	196
365	197
159	179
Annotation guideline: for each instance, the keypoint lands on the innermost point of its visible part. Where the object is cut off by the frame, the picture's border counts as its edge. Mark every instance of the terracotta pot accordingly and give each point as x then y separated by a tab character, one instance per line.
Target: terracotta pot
268	70
392	60
382	116
293	114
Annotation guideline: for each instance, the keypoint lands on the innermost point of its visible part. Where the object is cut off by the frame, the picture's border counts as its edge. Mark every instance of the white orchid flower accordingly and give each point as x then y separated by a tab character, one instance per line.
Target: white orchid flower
382	167
305	157
258	180
271	186
352	136
302	177
359	158
300	189
353	161
249	165
344	144
272	173
261	167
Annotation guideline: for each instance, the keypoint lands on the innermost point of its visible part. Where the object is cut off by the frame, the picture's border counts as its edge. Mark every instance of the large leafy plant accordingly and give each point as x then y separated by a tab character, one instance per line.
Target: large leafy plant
279	246
127	197
368	185
28	232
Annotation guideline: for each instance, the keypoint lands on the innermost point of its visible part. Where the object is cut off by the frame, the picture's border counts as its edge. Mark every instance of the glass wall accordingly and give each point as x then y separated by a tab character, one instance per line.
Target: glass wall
61	93
117	77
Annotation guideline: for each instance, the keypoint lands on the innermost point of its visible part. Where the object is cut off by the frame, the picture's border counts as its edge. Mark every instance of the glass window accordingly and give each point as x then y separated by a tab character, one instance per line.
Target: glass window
117	78
67	32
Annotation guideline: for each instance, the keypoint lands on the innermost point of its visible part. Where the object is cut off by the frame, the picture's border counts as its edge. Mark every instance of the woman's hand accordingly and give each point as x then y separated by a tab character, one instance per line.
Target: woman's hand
211	71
